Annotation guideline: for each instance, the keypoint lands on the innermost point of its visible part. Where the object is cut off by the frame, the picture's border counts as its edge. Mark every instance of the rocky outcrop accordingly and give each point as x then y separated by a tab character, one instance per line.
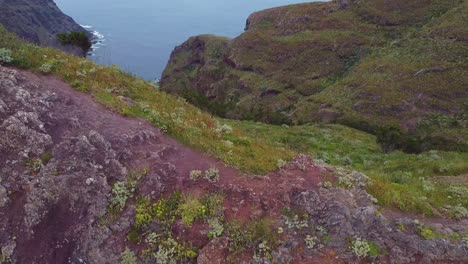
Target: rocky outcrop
39	22
61	154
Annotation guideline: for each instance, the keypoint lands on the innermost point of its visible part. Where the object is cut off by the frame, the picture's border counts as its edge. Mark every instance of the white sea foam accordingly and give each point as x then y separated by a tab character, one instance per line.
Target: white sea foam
98	40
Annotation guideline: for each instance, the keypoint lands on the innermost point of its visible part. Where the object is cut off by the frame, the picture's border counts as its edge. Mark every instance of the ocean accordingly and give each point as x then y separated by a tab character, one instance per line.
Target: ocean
139	35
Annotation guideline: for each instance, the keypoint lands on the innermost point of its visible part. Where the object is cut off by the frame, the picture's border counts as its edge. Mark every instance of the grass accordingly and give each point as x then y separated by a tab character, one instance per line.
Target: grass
359	62
396	176
254	147
178	118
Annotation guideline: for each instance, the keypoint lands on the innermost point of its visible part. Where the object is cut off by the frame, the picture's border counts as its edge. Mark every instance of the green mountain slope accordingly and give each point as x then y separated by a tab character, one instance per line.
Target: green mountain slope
368	64
400	180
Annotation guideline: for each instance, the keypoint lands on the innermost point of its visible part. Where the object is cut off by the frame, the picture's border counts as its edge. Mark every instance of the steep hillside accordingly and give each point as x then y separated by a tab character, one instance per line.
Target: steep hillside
39	22
98	166
81	183
367	64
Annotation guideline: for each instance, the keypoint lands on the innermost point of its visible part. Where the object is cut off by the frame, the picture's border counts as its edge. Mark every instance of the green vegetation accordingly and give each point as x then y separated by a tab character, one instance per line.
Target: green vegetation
161	246
122	191
191	210
255	147
216	228
75	38
178	118
311	241
35	165
395	69
195	174
244	236
396	176
188	208
120	194
128	257
211	174
361	248
5	56
426	233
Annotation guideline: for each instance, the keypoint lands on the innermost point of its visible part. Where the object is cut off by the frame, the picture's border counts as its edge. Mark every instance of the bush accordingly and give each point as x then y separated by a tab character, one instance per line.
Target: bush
195	175
120	194
216	228
459	211
212	175
46	68
191	209
128	257
79	39
5	56
361	248
391	138
311	241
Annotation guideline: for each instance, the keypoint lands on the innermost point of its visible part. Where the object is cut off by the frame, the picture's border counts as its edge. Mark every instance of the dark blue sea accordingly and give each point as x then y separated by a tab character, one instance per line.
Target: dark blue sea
139	35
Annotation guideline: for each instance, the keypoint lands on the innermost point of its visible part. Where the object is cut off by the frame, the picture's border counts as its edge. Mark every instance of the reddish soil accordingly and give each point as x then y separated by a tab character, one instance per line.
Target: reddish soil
249	196
168	163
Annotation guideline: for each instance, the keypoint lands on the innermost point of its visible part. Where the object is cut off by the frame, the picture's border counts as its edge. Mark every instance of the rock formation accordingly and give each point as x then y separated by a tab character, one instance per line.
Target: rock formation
39	22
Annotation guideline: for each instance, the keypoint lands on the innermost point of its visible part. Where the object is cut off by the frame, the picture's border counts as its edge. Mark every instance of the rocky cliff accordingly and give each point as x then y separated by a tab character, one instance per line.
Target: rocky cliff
366	64
39	22
83	184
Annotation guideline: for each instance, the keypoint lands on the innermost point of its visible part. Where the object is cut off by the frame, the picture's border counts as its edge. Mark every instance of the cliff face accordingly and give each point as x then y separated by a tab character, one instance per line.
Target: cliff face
39	22
366	64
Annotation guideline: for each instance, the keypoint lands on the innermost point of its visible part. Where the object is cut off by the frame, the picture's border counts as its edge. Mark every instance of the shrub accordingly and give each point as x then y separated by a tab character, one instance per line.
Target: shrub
35	165
128	257
239	237
214	205
263	251
426	233
120	195
212	175
391	138
459	211
195	175
79	39
360	248
216	228
224	129
191	209
281	163
374	249
326	184
311	241
171	252
46	68
143	216
296	222
465	241
427	185
458	191
5	56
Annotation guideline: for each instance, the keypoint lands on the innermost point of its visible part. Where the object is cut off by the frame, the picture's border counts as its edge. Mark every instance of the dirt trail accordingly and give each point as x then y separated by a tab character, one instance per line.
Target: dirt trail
51	213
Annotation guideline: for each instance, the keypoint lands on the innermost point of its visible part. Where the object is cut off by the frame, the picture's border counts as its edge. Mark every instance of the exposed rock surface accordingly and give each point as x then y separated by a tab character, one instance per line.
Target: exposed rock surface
39	22
61	153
